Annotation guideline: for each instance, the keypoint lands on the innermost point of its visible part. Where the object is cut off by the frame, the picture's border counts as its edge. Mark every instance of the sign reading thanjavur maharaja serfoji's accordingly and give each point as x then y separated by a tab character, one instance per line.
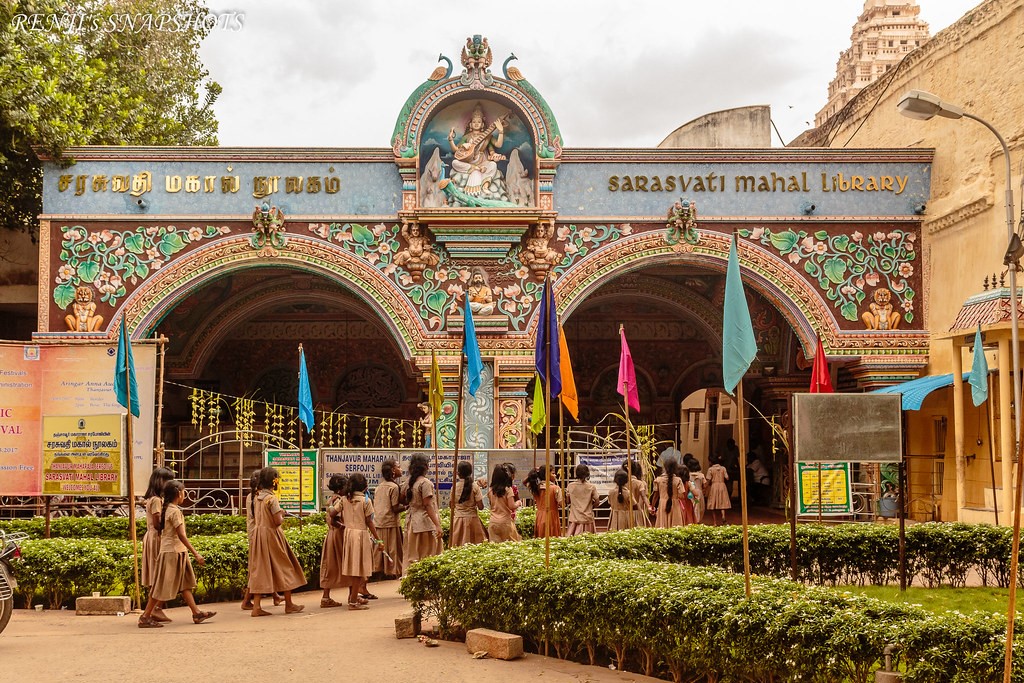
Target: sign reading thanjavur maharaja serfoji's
83	455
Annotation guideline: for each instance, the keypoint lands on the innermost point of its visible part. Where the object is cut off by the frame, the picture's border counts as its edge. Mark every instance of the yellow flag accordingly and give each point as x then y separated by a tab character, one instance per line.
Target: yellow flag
540	415
569	398
436	392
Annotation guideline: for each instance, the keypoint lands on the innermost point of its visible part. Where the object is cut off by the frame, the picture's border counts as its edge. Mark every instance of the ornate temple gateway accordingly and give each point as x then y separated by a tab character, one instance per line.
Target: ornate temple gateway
365	255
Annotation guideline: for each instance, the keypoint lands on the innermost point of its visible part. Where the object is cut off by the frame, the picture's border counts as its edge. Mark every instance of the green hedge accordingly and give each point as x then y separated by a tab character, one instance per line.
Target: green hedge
57	570
116	528
842	554
694	623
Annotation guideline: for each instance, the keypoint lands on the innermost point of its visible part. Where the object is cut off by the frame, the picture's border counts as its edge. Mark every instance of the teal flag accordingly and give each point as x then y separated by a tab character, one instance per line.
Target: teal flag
305	395
738	345
979	372
125	387
470	347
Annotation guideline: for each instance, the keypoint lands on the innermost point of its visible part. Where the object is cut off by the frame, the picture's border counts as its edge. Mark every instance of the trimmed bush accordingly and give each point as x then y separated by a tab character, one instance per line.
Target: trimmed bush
695	621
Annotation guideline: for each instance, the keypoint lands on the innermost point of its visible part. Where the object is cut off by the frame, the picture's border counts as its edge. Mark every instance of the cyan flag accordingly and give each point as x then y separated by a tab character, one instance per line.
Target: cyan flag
305	395
979	371
124	371
548	350
470	347
739	348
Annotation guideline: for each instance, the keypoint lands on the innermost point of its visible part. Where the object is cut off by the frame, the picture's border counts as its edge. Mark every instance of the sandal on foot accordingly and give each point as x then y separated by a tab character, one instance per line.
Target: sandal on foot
294	609
246	606
329	602
260	613
368	596
200	617
149	622
277	600
356	605
161	618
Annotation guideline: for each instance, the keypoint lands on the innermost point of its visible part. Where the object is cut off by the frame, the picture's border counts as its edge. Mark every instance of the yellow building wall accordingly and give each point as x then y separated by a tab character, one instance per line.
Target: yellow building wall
974	64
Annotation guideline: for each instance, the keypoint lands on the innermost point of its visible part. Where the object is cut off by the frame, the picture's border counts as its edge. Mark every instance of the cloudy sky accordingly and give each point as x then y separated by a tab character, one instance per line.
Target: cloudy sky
335	73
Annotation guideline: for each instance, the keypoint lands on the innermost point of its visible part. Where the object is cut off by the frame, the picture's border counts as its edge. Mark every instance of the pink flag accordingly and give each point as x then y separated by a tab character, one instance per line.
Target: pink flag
627	375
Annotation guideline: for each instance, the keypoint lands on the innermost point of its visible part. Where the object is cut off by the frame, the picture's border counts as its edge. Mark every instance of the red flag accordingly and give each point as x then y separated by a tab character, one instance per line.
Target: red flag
821	380
627	375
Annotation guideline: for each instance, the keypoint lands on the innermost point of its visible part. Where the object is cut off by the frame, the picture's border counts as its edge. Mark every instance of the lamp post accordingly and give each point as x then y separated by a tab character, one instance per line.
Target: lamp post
921	105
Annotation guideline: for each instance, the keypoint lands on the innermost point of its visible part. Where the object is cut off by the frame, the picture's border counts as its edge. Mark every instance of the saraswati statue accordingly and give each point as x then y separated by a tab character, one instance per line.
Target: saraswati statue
475	179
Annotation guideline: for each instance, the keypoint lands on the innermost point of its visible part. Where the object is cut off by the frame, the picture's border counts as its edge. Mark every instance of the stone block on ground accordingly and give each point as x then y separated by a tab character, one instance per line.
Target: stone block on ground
105	605
498	645
407	625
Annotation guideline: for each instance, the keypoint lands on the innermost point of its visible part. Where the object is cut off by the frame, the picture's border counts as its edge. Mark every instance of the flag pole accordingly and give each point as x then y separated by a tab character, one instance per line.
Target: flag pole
991	452
547	460
458	436
629	456
301	458
131	462
743	484
561	453
437	462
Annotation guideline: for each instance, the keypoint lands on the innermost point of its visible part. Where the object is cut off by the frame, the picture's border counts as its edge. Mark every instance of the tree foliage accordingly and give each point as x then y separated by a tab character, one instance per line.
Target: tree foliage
77	72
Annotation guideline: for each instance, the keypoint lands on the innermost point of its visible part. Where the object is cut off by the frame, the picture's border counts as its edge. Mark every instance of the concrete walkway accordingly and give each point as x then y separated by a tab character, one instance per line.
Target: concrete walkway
315	645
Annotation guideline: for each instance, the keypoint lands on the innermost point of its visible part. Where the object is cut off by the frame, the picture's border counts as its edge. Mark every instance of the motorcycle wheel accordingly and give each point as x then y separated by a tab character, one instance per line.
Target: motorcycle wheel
6	606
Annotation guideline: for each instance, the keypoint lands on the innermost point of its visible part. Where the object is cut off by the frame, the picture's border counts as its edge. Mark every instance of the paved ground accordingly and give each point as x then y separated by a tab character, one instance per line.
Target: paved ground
315	645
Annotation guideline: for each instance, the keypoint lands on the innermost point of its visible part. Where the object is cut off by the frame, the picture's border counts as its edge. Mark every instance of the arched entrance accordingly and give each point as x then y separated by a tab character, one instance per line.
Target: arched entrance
237	337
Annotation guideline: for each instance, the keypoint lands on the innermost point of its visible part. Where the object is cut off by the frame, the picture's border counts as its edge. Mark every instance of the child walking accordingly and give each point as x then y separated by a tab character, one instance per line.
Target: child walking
360	534
619	502
388	504
638	488
332	557
173	573
582	499
151	541
423	525
466	525
700	484
549	500
250	529
668	495
718	492
502	525
273	566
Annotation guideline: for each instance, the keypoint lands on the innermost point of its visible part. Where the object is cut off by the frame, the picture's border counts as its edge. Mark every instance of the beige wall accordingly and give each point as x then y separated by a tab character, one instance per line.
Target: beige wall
975	64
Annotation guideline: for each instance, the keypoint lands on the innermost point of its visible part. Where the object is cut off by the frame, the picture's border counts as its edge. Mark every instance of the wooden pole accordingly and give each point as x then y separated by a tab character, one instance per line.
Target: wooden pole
991	448
301	454
743	485
821	498
46	529
793	503
1014	553
458	442
162	349
903	523
437	461
547	455
566	469
133	532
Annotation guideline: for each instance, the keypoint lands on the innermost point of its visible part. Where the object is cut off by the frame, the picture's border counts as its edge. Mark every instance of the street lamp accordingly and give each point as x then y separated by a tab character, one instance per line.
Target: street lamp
921	105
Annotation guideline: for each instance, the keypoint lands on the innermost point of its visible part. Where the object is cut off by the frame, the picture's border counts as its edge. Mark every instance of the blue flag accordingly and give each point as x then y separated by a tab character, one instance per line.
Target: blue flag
979	372
739	348
547	341
470	347
305	396
125	387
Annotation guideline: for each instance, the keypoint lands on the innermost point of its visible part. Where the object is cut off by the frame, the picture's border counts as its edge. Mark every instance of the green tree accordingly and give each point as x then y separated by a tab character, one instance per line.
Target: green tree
96	72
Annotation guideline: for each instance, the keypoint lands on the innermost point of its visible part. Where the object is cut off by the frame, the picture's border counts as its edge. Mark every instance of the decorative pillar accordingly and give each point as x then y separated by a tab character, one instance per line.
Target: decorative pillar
1006	424
958	429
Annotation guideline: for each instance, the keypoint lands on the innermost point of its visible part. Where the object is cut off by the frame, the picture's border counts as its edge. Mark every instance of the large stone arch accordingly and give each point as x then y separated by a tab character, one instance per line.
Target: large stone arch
159	294
203	343
800	305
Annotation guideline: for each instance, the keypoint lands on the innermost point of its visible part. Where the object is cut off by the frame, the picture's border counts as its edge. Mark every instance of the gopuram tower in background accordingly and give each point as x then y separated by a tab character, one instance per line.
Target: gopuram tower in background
884	33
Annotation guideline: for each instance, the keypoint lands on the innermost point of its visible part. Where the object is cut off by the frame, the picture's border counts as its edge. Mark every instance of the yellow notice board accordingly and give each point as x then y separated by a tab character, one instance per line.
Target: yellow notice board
83	455
836	488
287	465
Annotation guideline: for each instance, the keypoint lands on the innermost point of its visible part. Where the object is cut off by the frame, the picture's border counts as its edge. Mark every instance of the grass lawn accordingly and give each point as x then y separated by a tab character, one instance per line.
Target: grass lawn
942	599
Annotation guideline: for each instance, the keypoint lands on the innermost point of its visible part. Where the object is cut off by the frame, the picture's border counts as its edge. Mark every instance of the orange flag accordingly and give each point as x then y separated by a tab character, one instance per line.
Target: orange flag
821	378
569	398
